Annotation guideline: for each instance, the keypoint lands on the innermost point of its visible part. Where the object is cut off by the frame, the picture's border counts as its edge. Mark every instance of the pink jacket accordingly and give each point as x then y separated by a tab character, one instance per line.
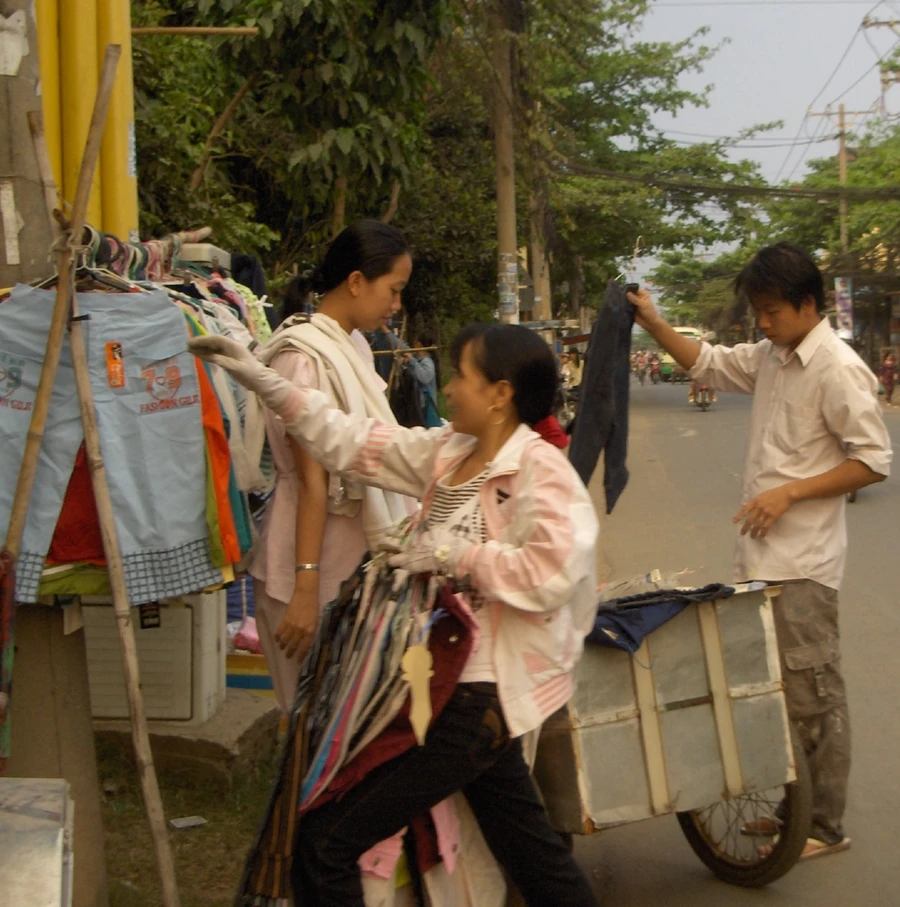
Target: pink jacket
537	569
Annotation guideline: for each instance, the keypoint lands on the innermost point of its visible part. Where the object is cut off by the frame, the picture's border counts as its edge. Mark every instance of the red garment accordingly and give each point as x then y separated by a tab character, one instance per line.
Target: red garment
77	537
551	431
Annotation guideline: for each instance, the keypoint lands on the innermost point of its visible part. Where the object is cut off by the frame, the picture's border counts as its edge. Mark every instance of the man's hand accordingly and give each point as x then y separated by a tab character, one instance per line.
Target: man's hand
646	311
296	630
759	514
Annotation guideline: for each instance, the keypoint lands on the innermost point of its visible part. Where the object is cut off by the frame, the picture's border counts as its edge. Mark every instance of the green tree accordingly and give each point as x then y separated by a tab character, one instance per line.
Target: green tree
346	81
595	91
181	85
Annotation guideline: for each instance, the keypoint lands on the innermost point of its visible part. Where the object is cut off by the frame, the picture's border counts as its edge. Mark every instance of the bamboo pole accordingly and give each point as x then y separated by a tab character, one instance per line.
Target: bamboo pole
404	351
65	268
45	167
195	30
111	549
114	566
140	734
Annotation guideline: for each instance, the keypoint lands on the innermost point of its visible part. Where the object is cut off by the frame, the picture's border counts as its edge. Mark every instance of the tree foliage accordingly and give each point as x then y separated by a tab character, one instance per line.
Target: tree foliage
350	100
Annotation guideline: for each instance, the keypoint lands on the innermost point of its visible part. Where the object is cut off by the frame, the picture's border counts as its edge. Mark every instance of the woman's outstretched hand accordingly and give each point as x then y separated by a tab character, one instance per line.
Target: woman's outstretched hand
239	362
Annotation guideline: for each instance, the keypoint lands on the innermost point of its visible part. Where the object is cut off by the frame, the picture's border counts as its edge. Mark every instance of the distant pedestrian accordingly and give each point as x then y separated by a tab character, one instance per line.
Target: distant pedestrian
425	368
889	377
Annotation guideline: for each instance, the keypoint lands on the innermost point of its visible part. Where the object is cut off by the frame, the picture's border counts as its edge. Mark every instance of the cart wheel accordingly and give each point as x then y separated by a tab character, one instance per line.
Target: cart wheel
715	834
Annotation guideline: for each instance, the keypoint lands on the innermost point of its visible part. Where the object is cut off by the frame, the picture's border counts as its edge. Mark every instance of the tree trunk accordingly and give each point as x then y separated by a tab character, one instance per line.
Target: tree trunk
504	151
540	266
393	204
217	128
25	231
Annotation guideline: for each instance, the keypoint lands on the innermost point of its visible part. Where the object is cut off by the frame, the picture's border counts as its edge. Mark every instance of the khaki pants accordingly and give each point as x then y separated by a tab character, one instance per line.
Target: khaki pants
806	623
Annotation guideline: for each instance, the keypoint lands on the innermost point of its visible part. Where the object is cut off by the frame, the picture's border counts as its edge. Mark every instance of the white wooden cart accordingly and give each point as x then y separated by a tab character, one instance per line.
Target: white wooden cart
693	723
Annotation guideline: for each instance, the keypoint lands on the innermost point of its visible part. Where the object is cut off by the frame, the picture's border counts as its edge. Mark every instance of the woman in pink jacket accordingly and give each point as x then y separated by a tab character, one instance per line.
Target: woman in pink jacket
505	511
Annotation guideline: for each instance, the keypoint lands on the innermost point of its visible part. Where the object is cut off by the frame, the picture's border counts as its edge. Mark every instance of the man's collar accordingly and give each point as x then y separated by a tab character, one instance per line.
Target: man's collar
808	346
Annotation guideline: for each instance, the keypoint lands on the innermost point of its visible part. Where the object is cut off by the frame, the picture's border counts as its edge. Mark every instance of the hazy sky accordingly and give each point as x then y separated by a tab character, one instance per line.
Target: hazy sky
777	62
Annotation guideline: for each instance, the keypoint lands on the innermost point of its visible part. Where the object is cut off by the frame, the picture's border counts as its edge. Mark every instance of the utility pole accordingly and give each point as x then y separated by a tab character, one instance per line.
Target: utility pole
842	177
504	151
893	24
842	115
889	76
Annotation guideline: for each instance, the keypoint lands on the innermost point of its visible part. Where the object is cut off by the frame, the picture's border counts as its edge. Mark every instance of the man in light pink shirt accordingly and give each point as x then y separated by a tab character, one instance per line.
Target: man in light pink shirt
816	434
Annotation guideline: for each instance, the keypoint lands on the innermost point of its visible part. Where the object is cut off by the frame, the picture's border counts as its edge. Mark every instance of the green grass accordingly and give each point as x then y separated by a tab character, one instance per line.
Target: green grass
208	859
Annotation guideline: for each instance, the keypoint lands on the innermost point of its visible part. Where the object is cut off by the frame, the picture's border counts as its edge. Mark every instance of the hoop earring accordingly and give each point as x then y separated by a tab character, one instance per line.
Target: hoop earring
493	408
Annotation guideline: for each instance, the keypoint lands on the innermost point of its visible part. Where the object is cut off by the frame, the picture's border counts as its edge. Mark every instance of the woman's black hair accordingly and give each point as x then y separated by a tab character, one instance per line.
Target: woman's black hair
784	271
368	246
510	352
426	338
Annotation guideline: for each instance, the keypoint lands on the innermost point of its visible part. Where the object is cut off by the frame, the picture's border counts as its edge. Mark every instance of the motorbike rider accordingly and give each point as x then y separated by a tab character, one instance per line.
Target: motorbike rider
641	364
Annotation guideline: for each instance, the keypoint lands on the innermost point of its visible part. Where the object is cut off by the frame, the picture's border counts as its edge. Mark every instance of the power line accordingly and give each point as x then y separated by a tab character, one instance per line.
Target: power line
714	3
828	81
740	146
875	65
749	138
881	193
819	131
860	28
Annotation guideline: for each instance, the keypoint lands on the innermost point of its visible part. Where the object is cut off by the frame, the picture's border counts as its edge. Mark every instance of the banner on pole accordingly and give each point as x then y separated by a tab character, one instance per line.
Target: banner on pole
843	302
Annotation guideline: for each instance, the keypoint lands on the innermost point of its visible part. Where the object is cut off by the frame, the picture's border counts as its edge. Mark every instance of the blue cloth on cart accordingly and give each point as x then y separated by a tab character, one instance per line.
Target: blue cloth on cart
623	623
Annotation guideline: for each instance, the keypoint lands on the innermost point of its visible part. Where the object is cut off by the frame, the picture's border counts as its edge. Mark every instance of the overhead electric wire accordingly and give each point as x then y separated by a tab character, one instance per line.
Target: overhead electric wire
828	81
875	65
749	138
740	146
882	193
820	130
714	3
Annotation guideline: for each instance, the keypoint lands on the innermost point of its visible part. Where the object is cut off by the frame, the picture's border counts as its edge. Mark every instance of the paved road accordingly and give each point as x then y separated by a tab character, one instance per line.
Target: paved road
676	514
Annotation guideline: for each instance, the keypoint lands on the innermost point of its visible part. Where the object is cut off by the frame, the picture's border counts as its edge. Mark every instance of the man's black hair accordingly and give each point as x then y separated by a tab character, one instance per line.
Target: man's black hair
784	271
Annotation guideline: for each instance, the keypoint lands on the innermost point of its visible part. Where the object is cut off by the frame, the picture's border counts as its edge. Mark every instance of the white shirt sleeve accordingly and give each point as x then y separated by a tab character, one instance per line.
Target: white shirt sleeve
732	369
853	415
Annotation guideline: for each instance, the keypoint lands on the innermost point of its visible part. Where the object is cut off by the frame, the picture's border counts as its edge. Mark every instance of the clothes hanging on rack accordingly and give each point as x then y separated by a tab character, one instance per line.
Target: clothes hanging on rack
181	519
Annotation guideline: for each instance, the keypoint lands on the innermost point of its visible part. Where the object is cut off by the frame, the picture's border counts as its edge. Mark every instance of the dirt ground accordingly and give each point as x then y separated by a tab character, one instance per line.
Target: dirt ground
208	859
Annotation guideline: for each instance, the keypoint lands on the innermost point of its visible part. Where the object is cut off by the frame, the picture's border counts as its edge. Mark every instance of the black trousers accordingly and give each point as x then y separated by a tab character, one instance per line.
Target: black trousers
467	749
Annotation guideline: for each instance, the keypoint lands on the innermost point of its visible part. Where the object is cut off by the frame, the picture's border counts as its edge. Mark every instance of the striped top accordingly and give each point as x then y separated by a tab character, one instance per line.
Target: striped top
458	509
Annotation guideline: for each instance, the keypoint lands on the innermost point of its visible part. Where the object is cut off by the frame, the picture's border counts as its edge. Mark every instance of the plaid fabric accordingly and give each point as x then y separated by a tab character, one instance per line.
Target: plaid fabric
149	575
154	575
29	568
